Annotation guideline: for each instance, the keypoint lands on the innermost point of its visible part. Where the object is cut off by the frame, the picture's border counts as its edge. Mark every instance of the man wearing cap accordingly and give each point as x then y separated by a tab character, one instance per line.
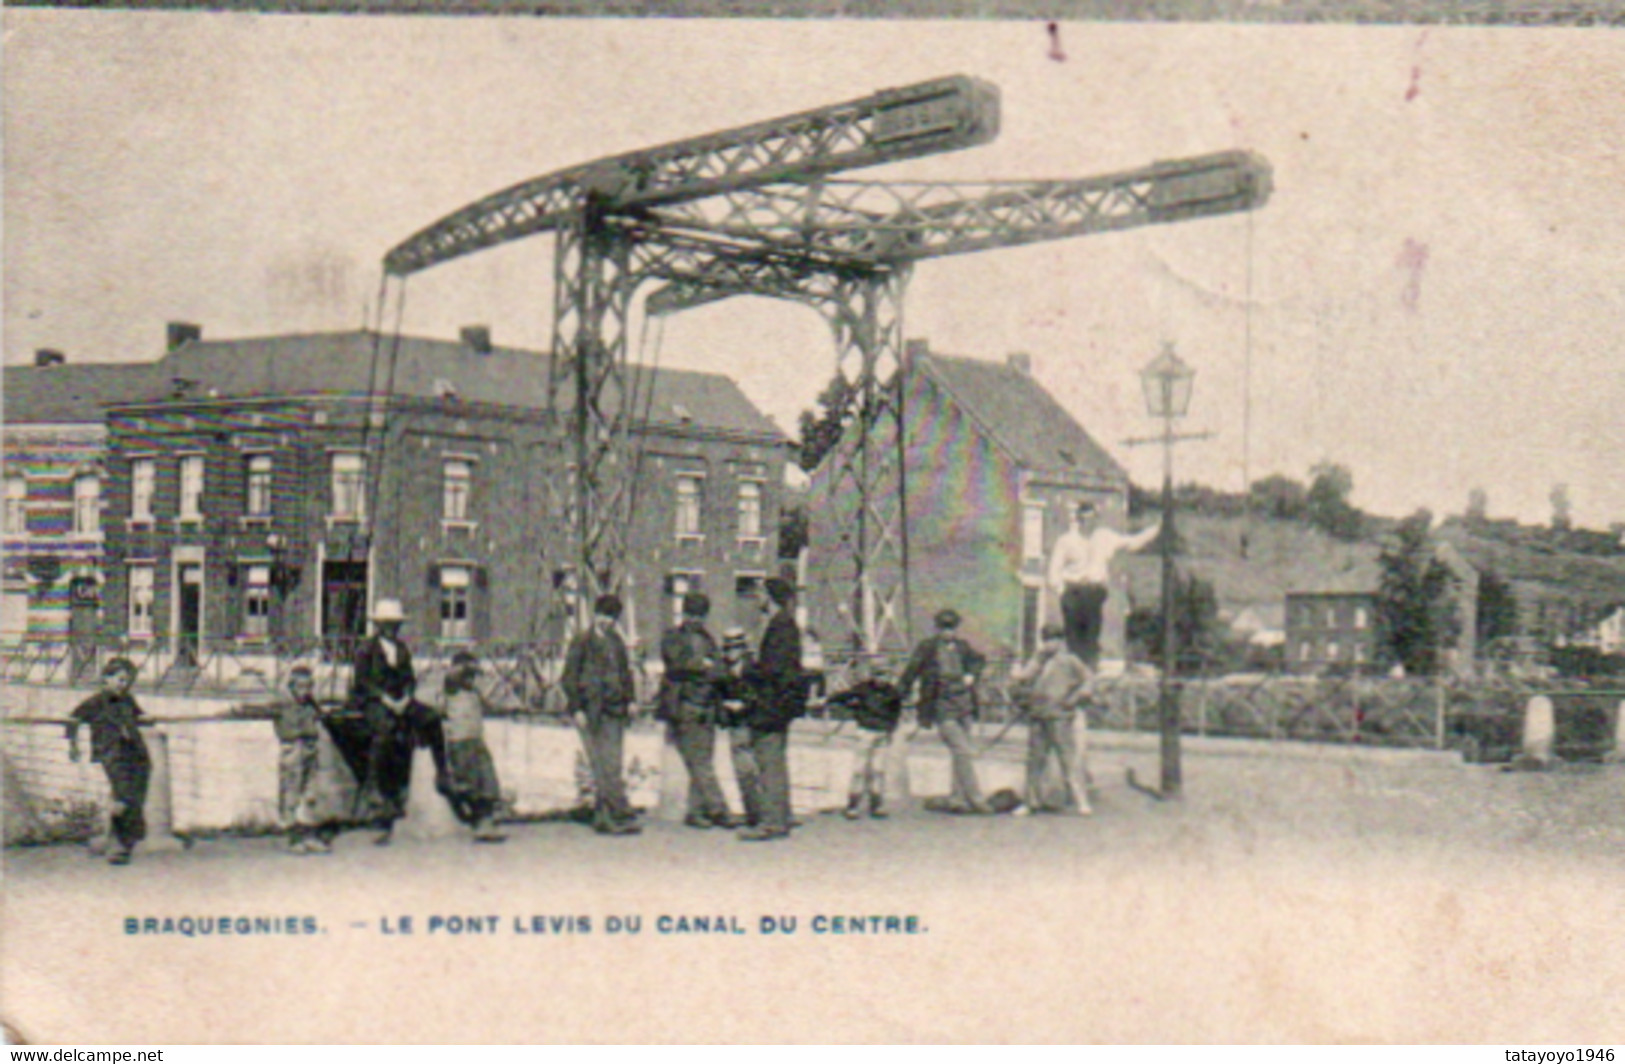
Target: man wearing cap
598	684
781	696
1050	689
946	669
116	745
1079	571
689	704
383	687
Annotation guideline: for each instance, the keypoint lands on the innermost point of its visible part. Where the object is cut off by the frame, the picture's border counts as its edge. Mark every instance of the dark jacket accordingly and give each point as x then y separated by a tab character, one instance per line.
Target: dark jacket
597	677
375	676
112	720
781	685
942	697
874	705
688	690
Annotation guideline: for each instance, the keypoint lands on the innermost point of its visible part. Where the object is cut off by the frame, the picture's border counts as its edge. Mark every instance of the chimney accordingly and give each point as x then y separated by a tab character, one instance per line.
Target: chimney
913	349
477	338
1021	362
181	333
47	357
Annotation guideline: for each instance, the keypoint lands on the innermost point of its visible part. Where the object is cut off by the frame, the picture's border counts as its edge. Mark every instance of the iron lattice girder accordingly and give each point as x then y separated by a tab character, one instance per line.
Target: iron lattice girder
904	123
862	222
699	271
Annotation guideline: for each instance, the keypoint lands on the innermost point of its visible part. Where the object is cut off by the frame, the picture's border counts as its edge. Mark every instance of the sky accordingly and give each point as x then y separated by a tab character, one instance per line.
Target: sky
1434	295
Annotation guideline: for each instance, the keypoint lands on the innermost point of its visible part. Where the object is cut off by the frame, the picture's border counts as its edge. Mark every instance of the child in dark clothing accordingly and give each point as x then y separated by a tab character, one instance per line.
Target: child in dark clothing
116	745
875	705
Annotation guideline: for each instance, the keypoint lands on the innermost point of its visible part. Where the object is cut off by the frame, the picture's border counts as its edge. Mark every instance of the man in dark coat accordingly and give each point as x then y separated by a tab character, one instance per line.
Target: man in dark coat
116	745
598	684
781	697
689	703
946	669
383	688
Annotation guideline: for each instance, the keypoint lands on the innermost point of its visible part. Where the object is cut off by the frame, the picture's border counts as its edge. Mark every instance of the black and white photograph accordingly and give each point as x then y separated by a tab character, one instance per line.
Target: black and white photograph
865	530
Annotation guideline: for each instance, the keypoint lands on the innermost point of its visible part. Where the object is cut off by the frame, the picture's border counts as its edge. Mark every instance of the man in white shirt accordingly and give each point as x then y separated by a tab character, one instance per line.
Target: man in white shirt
1079	570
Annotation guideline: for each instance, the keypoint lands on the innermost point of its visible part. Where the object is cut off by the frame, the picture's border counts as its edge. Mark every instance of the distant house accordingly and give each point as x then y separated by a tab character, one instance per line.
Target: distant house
1334	625
1608	634
1331	629
55	446
993	467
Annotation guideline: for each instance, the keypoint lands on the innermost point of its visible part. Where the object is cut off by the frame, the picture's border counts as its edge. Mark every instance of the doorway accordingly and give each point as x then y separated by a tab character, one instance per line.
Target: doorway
344	607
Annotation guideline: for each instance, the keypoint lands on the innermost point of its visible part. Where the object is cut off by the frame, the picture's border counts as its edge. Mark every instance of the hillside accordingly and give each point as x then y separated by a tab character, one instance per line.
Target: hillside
1281	556
1287	555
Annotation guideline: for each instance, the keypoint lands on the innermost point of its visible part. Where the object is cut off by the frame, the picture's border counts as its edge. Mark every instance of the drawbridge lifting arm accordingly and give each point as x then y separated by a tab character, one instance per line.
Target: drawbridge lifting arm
873	223
933	116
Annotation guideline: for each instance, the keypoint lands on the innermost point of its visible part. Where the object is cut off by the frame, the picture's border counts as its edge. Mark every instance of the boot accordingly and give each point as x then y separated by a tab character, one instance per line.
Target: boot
877	806
854	805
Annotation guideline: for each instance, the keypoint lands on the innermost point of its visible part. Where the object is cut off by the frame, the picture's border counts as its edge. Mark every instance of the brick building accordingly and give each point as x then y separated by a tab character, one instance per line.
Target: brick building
284	483
994	467
55	441
1331	629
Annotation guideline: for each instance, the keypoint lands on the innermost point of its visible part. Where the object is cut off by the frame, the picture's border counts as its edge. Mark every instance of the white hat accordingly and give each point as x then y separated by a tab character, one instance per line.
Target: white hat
388	610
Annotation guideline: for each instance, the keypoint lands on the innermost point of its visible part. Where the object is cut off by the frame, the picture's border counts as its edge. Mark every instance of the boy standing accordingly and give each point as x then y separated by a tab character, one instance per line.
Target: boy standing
298	722
116	744
1053	684
472	786
875	705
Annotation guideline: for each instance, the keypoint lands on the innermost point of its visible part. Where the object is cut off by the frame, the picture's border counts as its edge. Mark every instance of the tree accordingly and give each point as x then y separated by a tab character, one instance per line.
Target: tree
821	431
1416	614
1497	608
1280	497
1327	504
1196	627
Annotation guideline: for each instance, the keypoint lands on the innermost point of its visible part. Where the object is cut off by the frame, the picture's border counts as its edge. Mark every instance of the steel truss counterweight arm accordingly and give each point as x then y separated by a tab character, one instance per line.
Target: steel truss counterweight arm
869	222
933	116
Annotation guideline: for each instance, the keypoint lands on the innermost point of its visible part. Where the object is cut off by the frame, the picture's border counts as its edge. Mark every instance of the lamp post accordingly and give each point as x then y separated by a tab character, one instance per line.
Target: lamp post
1167	382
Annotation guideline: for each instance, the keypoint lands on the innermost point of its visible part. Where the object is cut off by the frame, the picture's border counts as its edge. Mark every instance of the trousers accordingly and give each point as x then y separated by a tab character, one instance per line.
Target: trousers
747	773
697	744
1047	736
1082	606
770	749
605	739
955	734
129	771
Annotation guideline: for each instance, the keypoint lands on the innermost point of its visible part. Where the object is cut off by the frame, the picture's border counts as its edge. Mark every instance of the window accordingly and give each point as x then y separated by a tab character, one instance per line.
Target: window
257	602
688	506
678	585
141	585
1032	532
750	509
191	487
259	486
143	475
1359	616
349	487
1331	650
87	505
1359	652
454	612
16	497
455	492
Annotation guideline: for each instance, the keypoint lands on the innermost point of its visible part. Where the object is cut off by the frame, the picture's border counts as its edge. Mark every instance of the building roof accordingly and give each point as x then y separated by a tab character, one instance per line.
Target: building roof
74	392
1021	417
359	363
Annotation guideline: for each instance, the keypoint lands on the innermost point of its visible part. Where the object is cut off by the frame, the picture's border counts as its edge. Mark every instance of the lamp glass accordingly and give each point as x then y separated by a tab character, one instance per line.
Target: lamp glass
1167	382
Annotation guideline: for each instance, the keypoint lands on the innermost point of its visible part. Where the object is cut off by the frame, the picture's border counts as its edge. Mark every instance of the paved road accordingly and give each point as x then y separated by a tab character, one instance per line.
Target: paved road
1336	897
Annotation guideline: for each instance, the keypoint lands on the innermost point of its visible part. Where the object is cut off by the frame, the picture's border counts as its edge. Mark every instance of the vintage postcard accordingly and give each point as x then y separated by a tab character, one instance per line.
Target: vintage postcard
667	530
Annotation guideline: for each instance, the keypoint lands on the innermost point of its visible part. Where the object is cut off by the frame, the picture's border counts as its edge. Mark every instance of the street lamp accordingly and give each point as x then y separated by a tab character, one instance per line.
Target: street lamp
1167	382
